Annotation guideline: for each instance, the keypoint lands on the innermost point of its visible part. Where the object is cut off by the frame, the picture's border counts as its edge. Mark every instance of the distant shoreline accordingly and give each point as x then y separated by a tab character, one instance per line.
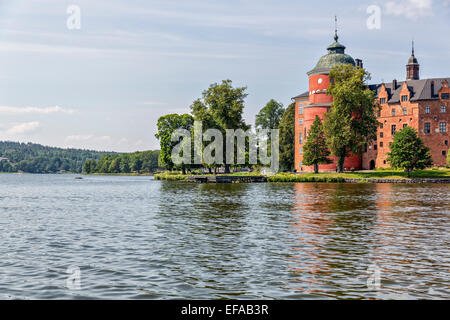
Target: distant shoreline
83	174
117	174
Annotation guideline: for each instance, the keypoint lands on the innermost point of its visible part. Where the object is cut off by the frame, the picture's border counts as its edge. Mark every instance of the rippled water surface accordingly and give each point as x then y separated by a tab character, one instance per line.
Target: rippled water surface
135	238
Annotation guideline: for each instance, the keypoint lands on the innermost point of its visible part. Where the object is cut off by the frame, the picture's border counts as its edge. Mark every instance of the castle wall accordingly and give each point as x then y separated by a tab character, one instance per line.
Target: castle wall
416	116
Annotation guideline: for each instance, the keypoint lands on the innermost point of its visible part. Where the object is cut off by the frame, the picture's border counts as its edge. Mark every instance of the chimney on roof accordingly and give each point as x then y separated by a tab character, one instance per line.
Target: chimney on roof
394	84
359	63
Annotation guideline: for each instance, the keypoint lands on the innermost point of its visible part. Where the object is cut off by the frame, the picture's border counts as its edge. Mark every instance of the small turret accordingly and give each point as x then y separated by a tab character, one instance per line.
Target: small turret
412	68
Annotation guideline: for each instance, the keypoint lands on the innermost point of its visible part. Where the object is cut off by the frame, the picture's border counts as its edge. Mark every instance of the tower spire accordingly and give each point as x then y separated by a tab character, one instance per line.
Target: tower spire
412	68
335	29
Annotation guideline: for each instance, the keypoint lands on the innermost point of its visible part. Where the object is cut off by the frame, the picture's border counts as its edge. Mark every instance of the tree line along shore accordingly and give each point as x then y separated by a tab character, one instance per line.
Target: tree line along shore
18	157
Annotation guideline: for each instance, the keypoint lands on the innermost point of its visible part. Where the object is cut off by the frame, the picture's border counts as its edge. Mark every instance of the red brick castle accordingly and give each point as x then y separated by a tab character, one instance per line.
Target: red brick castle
421	104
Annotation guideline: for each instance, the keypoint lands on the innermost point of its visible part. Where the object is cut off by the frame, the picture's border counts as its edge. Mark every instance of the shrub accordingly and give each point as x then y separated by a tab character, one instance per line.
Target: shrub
169	176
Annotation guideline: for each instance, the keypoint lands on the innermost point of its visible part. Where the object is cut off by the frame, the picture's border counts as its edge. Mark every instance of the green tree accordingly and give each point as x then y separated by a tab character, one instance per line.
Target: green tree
408	151
149	160
222	108
104	163
269	116
287	133
315	150
351	121
125	164
136	164
448	159
115	166
89	166
166	126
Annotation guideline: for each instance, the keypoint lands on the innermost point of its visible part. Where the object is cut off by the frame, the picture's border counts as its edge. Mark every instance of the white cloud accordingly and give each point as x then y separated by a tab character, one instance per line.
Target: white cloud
104	143
86	137
23	128
411	9
153	103
34	110
79	138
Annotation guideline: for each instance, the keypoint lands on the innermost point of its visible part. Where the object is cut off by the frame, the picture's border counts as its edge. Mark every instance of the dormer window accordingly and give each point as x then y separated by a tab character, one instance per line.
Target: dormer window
382	100
404	98
445	96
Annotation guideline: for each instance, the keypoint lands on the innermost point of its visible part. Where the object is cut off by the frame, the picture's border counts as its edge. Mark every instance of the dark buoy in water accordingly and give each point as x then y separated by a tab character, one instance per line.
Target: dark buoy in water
78	178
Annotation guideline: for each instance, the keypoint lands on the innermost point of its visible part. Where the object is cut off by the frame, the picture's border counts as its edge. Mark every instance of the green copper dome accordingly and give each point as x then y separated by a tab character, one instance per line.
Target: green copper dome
336	56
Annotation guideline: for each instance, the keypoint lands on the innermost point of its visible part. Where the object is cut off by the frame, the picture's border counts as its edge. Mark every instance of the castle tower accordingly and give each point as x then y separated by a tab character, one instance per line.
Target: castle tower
412	68
320	102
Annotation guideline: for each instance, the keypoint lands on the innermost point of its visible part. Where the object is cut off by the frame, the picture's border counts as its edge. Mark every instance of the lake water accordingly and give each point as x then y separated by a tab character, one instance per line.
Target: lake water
136	238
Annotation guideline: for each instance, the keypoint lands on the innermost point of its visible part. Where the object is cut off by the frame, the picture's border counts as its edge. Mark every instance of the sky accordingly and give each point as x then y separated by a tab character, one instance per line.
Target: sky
104	85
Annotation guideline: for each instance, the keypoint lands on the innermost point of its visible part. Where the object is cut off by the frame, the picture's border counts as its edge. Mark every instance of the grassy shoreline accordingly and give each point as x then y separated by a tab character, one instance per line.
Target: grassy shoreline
362	176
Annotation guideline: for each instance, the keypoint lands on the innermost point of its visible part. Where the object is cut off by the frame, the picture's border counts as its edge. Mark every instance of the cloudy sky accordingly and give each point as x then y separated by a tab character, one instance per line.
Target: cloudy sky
103	86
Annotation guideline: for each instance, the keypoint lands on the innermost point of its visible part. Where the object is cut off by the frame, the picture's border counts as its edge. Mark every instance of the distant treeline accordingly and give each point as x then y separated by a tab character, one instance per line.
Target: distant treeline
139	162
36	158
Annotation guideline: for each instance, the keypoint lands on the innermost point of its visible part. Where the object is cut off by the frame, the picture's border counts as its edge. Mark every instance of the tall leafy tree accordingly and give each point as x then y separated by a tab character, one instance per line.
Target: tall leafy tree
408	151
166	126
90	166
136	164
104	163
149	160
269	116
125	164
202	113
287	132
115	166
315	150
222	107
351	121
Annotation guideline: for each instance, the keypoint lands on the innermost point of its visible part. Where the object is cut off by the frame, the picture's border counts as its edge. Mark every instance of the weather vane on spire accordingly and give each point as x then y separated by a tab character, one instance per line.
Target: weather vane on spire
413	46
335	29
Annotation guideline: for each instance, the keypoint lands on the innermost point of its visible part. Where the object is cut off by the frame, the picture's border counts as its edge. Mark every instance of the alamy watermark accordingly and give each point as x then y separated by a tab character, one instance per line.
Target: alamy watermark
191	150
73	281
374	19
374	277
74	20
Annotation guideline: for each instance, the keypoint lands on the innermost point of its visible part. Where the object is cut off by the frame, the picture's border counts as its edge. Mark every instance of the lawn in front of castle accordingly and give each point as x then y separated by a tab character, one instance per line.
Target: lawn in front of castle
434	173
